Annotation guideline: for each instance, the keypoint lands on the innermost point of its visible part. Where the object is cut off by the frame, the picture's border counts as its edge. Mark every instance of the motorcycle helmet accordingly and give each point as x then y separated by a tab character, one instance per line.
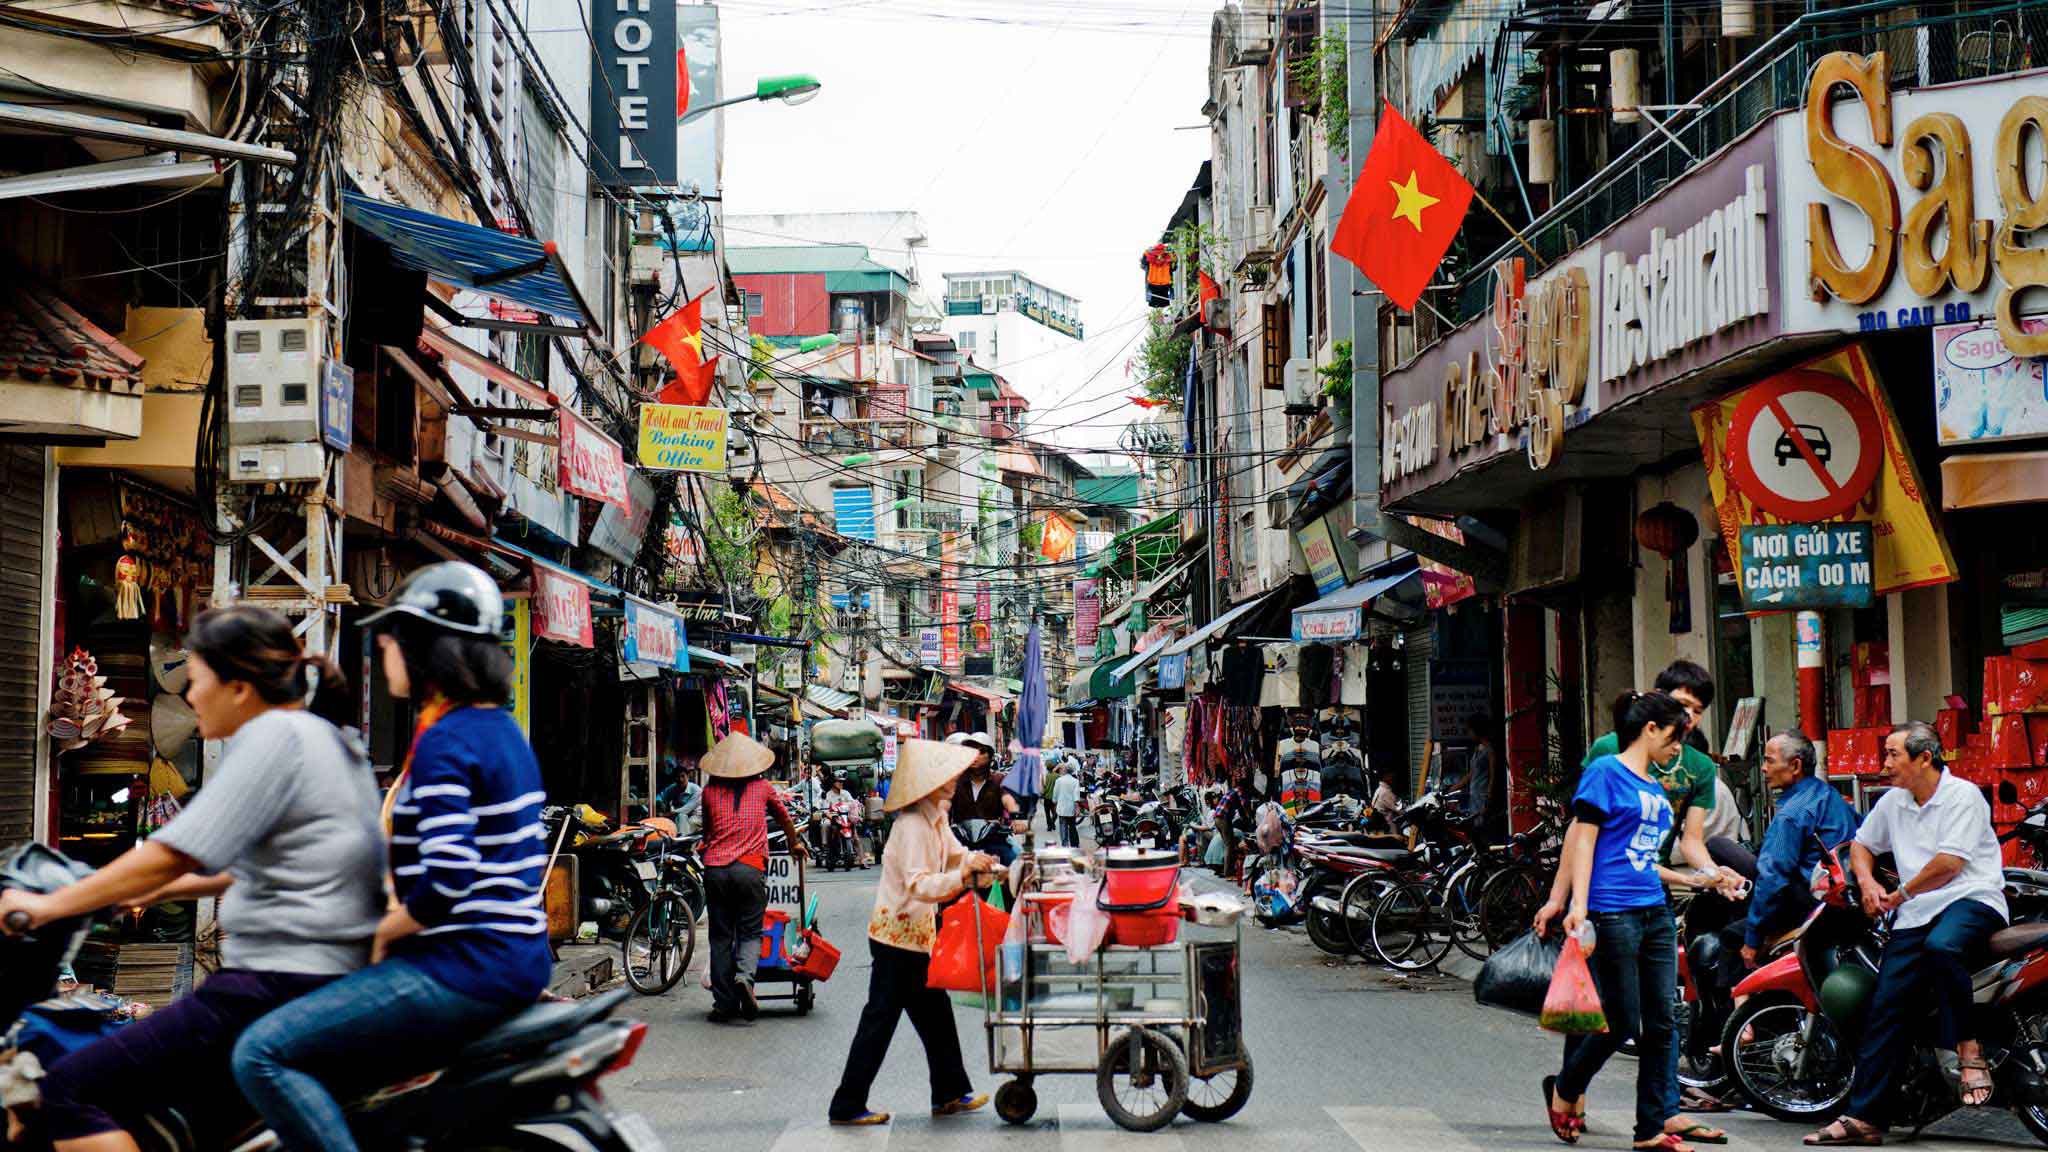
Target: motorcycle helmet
979	740
1704	953
1845	994
451	595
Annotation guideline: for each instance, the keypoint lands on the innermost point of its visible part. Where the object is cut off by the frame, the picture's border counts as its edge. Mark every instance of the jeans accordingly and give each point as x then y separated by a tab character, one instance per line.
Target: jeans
379	1025
1051	813
1635	967
896	986
1930	962
1070	831
176	1056
738	895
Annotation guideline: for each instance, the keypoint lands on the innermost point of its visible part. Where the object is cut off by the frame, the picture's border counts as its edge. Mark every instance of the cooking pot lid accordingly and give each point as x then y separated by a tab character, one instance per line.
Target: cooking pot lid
1140	858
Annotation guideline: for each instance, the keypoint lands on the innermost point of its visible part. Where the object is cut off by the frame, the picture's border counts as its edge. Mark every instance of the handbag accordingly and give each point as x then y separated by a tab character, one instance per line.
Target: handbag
964	959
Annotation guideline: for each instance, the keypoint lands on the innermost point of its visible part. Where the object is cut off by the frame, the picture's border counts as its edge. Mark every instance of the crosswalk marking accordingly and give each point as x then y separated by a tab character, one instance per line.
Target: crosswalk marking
1085	1128
818	1136
1379	1128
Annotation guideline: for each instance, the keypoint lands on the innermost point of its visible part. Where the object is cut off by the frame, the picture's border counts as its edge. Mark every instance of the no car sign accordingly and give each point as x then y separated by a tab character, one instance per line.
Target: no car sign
1806	446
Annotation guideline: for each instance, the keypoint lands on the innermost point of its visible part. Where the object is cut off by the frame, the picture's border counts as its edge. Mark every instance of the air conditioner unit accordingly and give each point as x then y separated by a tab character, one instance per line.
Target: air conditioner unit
1298	377
988	305
1261	238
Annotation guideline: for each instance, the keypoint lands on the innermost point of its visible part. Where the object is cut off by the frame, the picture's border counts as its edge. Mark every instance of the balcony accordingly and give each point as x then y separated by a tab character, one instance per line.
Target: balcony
853	435
1990	40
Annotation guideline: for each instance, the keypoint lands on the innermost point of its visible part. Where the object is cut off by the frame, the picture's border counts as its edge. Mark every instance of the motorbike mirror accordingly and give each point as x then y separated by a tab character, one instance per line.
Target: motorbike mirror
2007	794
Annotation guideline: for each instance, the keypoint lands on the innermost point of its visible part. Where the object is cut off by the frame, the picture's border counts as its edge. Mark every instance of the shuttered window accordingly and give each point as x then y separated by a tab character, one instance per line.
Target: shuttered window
21	660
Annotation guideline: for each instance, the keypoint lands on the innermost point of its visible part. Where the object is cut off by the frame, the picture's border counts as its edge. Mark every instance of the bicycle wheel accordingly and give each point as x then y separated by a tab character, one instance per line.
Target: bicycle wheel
1461	909
1508	904
1362	895
1407	930
659	944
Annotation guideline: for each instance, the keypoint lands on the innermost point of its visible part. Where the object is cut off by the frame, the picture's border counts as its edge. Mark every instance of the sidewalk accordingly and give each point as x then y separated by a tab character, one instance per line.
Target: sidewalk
582	969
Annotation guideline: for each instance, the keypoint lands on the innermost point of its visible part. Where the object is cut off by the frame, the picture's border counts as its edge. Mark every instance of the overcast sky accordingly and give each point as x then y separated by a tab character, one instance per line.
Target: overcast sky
1034	134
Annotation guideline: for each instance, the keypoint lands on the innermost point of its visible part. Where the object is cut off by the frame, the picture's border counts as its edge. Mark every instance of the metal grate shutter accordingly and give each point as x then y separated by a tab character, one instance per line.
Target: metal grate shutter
1417	650
21	662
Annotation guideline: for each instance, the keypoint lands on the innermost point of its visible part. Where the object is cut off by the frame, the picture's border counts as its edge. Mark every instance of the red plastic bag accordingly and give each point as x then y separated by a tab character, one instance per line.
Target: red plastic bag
1573	1004
958	965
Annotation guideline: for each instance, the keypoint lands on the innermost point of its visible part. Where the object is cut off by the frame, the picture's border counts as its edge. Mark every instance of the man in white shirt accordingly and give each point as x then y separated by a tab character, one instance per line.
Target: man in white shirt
1066	803
1938	828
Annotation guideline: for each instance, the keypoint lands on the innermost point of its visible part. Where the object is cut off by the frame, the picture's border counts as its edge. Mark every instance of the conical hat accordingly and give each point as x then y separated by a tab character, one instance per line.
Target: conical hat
922	767
737	757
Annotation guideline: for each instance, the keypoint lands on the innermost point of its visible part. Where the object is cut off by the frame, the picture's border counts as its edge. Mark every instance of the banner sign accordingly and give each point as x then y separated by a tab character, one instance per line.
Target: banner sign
1815	451
655	636
679	438
949	645
1087	616
1320	550
928	650
1806	566
984	617
1982	391
561	607
1173	670
633	98
1332	626
593	467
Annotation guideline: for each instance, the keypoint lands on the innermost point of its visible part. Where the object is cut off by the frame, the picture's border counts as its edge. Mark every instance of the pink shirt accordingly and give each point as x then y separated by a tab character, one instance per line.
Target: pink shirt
920	869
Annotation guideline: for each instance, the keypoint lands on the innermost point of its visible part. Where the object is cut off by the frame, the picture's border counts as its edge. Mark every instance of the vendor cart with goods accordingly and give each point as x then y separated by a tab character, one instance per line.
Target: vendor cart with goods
1111	968
794	954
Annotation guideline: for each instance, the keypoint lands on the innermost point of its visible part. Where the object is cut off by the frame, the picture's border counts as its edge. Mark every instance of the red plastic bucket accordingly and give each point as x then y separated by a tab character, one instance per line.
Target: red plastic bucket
1139	879
1146	929
1053	908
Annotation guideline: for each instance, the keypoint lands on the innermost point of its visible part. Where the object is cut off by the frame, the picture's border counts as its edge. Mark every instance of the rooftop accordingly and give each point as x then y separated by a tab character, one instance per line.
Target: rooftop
43	338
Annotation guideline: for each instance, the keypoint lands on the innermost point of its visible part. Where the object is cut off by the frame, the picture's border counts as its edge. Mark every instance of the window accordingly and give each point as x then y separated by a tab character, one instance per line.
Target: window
1320	286
965	342
756	304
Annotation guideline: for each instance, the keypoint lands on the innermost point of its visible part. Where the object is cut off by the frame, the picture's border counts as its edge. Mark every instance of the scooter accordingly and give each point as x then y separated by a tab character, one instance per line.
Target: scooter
842	835
609	886
531	1083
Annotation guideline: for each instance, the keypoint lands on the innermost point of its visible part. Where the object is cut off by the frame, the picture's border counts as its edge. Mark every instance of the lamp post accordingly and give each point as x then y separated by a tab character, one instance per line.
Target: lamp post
787	89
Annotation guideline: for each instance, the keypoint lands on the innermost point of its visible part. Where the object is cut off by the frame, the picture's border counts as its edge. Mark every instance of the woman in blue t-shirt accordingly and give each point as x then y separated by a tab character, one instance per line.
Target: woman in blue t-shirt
1612	878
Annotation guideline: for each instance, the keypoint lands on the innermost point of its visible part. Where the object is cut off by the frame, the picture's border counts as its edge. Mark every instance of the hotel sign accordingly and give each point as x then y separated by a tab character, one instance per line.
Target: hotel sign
633	97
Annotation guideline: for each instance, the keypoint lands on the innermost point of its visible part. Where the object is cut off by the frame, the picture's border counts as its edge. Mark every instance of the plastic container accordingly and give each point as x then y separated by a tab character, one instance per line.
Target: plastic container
820	961
1053	908
774	928
1139	879
1146	929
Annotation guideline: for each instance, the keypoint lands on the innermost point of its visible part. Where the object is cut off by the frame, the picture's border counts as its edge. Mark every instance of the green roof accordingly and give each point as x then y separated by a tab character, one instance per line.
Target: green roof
1113	489
978	379
1152	544
846	267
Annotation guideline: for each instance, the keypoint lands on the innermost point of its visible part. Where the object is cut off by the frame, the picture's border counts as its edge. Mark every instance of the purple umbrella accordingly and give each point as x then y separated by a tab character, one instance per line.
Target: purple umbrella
1027	776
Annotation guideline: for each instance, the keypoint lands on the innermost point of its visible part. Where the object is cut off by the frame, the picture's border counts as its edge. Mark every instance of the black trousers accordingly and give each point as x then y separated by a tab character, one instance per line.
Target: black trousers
738	899
895	988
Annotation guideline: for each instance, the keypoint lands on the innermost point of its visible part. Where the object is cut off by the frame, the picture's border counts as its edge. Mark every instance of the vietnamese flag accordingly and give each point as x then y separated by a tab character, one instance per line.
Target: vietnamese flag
692	385
1405	209
680	337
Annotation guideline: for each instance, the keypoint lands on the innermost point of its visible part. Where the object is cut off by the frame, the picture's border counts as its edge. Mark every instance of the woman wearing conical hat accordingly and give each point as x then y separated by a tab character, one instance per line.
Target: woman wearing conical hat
923	866
736	805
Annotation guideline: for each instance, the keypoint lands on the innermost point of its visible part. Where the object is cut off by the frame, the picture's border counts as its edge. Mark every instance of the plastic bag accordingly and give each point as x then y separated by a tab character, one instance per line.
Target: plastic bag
1217	854
1272	827
958	965
1572	1006
1087	925
1517	976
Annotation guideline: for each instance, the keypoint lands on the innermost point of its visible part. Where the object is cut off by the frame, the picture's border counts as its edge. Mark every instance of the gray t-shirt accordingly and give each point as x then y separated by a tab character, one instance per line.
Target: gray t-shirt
291	815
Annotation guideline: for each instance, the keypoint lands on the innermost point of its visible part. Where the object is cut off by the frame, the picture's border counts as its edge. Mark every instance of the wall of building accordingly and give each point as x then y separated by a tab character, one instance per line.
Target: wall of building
792	304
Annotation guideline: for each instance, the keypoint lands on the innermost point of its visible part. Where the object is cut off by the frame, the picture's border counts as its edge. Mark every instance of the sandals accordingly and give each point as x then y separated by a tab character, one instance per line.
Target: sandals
1565	1125
1981	1089
1699	1134
1846	1132
1695	1100
1663	1142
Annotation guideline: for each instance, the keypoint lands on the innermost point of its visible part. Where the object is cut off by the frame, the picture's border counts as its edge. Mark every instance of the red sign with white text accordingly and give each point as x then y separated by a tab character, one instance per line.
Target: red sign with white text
561	608
592	464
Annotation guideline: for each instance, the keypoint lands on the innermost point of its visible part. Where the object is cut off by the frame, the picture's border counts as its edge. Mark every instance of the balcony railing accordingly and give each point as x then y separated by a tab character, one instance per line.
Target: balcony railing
1990	40
864	433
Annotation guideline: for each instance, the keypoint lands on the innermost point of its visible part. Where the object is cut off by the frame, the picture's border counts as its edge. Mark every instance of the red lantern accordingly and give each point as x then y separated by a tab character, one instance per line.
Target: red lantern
1667	529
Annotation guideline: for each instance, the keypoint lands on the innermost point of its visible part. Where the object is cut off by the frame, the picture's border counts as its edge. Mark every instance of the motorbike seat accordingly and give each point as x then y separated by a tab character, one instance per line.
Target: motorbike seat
540	1025
1377	855
2019	938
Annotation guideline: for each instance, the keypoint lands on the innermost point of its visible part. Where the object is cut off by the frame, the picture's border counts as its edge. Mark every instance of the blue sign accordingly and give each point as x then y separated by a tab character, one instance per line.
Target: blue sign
655	637
337	406
1173	670
1786	566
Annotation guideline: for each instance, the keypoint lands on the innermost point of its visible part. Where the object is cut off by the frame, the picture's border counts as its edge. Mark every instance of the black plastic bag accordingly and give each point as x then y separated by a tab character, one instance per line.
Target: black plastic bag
1517	976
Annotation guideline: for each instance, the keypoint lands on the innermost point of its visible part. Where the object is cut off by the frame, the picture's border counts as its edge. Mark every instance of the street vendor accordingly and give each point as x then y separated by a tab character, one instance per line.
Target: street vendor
923	866
736	804
981	796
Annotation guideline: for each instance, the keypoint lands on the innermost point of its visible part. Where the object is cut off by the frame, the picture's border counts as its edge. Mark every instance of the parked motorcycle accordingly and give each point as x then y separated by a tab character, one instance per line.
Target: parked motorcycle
609	883
1791	1047
530	1083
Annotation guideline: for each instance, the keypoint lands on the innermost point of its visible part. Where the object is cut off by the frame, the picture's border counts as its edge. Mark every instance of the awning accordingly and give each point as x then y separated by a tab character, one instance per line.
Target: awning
979	692
1097	683
484	260
1154	541
718	658
1150	589
830	699
1340	616
596	585
1994	478
1145	656
901	726
436	340
1216	626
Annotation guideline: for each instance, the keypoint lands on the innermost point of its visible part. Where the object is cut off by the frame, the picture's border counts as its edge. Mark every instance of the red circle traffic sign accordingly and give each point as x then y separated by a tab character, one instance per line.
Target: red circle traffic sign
1805	445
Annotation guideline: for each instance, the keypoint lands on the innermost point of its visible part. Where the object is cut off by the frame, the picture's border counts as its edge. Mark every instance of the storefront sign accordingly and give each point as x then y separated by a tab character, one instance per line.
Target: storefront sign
949	603
1333	626
1982	392
633	103
592	465
1806	566
654	636
888	749
928	650
1909	548
1458	695
949	645
1407	441
561	607
679	438
517	636
1324	565
1087	616
619	532
1173	670
337	406
1959	251
1442	585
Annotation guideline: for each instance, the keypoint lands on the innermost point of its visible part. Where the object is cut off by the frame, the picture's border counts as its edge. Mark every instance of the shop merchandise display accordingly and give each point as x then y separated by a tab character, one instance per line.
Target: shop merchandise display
83	709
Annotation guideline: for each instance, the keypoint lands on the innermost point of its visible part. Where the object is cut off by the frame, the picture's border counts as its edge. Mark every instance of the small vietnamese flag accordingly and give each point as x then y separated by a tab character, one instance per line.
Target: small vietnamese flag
692	385
1404	211
680	337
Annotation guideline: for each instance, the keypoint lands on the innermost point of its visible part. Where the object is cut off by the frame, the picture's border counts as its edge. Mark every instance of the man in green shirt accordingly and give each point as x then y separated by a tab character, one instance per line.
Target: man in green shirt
1689	778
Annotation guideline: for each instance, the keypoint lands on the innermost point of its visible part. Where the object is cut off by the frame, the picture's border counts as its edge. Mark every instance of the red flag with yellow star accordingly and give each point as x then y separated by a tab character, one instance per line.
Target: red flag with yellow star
1405	209
691	386
680	337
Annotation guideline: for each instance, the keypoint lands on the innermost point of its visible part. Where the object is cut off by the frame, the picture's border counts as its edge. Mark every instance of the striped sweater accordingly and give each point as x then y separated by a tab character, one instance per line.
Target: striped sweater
468	854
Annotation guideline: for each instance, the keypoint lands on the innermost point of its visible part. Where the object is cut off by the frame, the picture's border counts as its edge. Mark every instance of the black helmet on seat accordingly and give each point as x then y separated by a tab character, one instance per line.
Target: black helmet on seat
451	595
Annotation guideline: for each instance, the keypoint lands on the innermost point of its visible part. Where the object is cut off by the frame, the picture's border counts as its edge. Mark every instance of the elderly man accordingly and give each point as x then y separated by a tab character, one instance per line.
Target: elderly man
1810	813
1938	828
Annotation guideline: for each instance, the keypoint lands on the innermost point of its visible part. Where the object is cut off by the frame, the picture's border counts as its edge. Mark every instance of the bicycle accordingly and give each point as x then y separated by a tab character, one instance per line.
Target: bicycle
662	937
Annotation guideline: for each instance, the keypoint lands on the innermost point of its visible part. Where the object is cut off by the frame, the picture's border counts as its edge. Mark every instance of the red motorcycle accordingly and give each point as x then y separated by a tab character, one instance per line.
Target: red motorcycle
1791	1045
842	834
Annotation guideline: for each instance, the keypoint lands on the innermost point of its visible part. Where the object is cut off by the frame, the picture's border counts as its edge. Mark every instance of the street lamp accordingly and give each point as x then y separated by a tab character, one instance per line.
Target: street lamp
787	89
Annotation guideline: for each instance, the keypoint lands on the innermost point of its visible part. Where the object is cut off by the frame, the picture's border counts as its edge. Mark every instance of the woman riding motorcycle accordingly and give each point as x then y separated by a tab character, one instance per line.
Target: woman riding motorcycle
285	831
463	946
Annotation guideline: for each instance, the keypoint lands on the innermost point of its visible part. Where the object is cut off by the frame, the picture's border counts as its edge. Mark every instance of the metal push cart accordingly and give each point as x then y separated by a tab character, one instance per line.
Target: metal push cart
778	967
1160	1027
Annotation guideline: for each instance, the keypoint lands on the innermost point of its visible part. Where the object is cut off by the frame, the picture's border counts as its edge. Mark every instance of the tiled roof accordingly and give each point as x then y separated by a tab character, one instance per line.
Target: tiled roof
782	502
43	338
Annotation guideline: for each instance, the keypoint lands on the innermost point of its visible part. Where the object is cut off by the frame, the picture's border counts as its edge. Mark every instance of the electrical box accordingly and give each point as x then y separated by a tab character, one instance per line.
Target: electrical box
277	372
1299	378
648	261
276	463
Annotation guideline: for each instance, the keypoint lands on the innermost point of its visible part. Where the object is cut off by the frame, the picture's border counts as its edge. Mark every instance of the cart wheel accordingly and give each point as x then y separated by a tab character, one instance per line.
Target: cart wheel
1143	1080
806	997
1016	1101
1221	1096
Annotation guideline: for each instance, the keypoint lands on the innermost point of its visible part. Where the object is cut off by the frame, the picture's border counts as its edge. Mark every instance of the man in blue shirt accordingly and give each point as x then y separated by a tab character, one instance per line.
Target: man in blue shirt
1807	806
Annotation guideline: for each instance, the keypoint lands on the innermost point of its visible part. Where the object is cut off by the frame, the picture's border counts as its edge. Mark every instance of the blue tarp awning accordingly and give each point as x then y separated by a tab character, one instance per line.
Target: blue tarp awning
511	268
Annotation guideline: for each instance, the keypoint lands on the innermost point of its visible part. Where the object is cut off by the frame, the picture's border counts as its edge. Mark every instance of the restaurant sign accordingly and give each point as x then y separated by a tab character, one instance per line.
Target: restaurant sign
592	465
654	635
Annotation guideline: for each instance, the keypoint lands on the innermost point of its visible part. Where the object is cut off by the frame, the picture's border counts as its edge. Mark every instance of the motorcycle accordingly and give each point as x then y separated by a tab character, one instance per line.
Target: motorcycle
1791	1047
609	885
842	835
530	1083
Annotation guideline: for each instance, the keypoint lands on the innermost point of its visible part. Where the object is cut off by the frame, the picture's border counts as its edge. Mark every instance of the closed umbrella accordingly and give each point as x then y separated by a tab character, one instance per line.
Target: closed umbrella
1027	776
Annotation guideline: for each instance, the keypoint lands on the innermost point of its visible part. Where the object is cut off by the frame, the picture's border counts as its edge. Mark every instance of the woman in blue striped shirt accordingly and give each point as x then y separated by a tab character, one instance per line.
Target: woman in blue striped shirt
464	944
